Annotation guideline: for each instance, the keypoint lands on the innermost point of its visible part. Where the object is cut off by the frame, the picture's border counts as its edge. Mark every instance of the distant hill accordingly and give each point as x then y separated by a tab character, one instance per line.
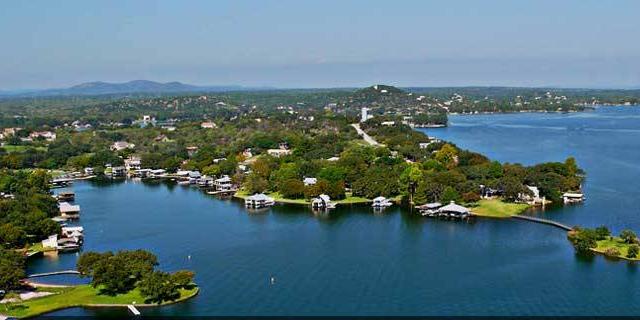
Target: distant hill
131	87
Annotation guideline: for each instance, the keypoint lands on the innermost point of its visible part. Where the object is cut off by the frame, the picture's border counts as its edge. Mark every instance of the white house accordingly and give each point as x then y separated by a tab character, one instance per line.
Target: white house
278	152
122	145
208	125
50	242
132	163
223	184
47	135
309	181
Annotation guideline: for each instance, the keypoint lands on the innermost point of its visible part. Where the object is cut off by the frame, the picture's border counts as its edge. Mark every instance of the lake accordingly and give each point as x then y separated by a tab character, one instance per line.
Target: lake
355	262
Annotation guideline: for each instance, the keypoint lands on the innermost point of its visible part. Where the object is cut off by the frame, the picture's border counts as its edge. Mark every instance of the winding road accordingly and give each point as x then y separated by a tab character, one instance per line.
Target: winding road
364	135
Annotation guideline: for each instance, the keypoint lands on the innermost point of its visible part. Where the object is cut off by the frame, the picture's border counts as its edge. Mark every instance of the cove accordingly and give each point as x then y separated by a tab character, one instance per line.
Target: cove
354	262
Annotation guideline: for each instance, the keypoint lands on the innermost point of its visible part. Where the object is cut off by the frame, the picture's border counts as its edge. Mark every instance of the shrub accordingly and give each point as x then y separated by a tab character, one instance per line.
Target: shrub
628	236
633	251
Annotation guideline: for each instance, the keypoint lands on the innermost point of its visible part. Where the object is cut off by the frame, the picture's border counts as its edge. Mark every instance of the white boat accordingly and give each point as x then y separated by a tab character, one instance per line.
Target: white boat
381	202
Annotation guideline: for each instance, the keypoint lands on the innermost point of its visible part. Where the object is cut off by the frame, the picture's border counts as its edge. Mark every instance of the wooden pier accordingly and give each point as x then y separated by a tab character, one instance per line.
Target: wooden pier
544	221
133	310
45	274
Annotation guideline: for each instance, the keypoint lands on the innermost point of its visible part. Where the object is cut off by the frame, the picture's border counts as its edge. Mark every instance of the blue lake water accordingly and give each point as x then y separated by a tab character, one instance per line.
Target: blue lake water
355	262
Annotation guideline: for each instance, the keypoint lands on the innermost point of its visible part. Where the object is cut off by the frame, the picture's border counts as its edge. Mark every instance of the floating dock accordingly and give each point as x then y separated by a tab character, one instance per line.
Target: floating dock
133	310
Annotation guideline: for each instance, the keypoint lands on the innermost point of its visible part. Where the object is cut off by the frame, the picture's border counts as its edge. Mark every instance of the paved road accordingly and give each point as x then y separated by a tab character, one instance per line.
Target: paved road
365	136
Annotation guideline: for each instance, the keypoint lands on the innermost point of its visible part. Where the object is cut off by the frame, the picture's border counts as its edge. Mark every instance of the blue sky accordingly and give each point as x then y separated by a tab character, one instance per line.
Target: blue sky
329	43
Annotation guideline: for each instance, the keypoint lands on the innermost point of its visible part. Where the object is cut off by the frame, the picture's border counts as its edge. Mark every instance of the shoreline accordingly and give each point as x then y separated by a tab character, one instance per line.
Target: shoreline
183	297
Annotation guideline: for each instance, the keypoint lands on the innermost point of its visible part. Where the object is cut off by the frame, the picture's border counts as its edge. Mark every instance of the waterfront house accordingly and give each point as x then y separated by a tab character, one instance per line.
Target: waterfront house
88	171
205	181
122	145
140	173
258	200
224	184
323	201
69	211
132	163
533	197
119	171
309	181
488	192
381	202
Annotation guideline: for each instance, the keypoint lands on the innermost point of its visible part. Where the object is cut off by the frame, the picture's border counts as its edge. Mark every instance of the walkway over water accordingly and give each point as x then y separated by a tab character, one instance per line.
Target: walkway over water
45	274
544	221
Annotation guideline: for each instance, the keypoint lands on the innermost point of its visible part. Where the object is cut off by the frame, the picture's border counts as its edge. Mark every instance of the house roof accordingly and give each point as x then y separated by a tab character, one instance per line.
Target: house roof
224	179
453	207
259	197
66	207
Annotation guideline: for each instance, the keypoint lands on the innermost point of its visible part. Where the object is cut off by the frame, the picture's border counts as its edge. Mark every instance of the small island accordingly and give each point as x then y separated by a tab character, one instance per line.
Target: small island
122	279
586	241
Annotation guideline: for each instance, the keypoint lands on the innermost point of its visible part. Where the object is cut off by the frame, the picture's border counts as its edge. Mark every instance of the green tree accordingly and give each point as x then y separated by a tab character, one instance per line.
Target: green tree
583	240
158	286
12	236
182	278
633	250
602	232
292	189
448	156
255	183
11	269
450	194
628	236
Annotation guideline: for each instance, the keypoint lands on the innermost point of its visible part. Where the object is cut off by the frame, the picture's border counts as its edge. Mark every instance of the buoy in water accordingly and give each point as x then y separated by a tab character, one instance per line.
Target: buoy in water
273	280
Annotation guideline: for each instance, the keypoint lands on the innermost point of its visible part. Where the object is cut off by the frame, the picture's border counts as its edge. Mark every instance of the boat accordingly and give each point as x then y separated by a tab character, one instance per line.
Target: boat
381	202
572	197
66	196
322	202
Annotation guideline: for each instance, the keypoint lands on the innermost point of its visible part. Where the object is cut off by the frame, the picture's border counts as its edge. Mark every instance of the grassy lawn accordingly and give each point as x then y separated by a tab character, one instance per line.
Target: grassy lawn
278	198
496	208
37	247
83	295
617	243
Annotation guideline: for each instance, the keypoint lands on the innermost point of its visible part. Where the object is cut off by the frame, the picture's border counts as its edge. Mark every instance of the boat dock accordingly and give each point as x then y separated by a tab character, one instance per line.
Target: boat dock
133	310
54	273
544	221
